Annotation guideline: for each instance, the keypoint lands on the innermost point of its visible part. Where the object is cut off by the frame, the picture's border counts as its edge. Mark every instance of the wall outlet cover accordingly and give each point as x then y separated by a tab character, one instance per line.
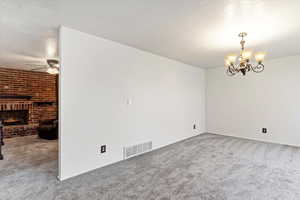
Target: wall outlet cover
103	149
264	130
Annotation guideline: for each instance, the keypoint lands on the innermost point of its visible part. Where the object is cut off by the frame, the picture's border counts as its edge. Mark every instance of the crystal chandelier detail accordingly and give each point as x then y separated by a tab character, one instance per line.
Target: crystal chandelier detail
244	59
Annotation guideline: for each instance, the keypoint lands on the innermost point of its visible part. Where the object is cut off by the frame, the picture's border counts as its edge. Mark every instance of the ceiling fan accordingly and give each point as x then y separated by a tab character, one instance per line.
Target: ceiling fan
52	66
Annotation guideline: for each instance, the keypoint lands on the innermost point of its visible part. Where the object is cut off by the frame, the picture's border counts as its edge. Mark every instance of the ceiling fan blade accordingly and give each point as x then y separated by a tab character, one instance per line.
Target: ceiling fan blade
13	67
37	69
8	66
33	64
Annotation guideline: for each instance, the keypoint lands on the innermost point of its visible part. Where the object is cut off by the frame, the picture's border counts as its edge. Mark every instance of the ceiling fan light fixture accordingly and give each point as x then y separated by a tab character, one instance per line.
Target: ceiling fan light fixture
52	71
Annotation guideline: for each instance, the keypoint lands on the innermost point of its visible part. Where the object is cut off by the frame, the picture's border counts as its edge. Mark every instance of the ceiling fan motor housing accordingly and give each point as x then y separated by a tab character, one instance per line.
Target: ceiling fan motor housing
52	62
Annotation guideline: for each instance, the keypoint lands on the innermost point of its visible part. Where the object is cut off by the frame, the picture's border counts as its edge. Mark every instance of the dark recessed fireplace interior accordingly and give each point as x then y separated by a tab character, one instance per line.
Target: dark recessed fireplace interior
14	117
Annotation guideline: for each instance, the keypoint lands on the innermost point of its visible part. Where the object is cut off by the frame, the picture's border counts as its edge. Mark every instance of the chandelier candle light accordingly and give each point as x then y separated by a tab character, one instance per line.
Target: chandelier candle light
244	64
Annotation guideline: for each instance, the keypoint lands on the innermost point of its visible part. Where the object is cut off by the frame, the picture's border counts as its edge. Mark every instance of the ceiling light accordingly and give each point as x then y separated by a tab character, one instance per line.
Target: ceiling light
259	57
244	64
51	70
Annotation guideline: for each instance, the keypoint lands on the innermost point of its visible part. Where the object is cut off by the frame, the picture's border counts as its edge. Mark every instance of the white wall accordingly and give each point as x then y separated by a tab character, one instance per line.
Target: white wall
117	95
242	106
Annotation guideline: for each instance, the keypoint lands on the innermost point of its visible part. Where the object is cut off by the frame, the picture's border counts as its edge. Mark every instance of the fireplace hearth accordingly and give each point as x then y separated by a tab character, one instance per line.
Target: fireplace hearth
18	118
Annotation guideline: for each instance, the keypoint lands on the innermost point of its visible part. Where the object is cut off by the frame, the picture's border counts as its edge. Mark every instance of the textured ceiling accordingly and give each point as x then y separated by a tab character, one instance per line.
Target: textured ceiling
197	32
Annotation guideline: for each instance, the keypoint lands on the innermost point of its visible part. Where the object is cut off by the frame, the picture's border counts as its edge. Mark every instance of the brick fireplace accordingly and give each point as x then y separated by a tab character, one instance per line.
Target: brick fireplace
26	98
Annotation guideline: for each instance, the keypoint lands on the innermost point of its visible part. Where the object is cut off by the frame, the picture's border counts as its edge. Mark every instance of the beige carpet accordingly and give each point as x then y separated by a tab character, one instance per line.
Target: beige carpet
206	167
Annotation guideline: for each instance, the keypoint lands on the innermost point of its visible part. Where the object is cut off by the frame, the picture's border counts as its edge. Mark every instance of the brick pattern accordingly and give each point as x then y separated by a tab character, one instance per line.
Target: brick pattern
41	86
15	131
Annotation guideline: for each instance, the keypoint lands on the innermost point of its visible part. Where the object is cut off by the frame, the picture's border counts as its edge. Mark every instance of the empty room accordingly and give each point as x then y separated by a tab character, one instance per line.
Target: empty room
149	100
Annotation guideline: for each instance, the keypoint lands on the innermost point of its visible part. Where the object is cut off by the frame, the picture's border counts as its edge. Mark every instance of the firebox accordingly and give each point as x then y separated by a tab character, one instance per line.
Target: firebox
14	117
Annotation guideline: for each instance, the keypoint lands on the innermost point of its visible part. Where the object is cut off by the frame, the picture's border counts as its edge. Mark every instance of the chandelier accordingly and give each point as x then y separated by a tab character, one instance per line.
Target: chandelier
244	59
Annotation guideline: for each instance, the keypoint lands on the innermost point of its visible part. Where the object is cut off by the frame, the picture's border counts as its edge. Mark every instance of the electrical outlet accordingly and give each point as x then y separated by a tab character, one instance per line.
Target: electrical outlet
194	126
103	149
264	130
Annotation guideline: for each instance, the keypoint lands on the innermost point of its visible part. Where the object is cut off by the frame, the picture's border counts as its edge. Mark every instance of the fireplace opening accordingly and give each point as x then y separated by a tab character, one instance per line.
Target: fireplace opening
14	117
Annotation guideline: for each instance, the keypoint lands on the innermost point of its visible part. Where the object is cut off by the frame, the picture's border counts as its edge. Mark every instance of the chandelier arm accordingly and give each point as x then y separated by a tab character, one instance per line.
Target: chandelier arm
258	68
249	67
229	72
234	68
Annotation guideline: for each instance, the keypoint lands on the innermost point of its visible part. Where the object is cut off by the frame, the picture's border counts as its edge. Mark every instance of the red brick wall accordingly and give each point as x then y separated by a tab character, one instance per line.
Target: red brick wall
41	86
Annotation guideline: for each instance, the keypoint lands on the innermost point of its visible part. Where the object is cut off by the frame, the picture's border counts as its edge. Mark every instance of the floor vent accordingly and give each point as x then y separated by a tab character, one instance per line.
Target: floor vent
136	149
